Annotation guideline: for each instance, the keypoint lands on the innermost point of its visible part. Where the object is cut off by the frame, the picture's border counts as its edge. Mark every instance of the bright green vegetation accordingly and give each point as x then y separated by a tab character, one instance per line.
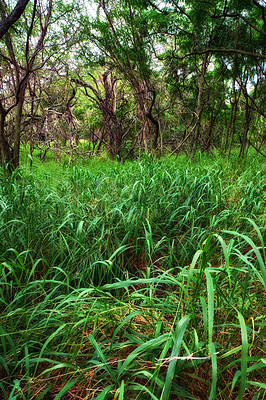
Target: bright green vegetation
143	280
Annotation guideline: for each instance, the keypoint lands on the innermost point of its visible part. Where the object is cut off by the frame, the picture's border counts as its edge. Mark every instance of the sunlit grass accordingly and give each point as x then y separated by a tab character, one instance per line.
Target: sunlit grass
143	280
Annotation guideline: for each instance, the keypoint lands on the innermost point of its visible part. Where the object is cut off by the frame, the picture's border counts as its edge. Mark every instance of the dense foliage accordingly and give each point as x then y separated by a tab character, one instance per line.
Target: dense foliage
143	280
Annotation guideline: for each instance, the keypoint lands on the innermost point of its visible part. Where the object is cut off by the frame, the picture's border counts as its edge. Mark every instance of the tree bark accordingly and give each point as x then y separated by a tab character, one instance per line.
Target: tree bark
199	110
17	133
5	153
154	121
13	17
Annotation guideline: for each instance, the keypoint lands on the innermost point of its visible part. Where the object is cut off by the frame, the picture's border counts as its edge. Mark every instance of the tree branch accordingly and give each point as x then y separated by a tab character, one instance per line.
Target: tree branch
220	51
13	17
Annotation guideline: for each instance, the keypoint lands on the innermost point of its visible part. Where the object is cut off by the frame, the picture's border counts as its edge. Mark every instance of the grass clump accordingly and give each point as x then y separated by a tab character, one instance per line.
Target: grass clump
136	281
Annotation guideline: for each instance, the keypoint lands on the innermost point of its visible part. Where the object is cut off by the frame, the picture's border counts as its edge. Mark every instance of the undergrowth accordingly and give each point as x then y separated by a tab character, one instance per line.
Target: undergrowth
143	280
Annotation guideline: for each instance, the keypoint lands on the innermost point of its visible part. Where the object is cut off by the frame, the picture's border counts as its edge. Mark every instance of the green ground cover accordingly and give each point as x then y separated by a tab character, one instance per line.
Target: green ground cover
143	280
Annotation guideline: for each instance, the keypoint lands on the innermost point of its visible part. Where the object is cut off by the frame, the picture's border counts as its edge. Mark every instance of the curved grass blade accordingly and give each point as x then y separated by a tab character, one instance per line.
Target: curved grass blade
121	391
102	357
258	233
141	388
131	282
47	342
258	384
212	395
124	321
210	291
65	389
103	394
178	337
244	356
256	251
143	347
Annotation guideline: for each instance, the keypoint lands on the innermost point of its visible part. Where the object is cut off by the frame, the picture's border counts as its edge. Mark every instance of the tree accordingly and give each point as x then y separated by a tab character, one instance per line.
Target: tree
32	45
121	34
205	35
107	93
16	76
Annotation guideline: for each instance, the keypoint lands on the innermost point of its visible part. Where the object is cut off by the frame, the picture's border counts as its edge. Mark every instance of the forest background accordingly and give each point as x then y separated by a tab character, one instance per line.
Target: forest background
133	76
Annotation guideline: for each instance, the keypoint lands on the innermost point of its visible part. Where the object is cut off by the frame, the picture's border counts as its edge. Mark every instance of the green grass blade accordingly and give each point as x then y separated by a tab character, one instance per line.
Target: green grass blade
123	322
258	384
177	338
121	391
50	338
256	251
244	356
142	389
65	389
102	357
104	393
212	395
210	293
153	343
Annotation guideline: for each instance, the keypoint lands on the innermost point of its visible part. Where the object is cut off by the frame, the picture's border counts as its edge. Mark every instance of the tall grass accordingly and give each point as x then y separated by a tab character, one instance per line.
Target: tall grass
135	281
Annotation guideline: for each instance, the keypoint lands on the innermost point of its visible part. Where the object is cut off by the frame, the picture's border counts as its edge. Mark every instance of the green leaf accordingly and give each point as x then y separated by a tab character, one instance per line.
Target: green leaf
103	394
210	291
256	251
258	384
177	338
244	356
65	389
153	343
50	338
212	395
123	322
121	391
102	357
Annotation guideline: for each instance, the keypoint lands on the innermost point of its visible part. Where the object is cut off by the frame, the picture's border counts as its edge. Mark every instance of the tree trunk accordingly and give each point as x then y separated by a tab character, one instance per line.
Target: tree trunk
139	88
17	133
244	140
199	110
154	121
5	153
